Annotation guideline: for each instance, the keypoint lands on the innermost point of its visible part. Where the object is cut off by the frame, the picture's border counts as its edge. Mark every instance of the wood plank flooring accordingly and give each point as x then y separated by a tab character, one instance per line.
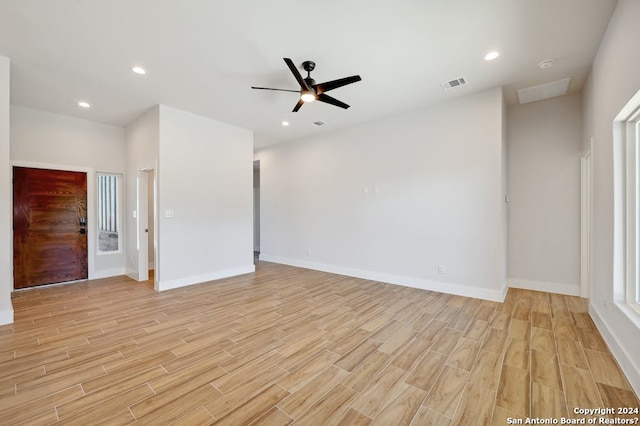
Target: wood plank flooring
288	345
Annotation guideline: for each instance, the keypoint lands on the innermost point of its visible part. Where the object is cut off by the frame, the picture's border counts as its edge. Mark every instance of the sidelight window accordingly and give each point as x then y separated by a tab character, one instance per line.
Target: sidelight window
109	212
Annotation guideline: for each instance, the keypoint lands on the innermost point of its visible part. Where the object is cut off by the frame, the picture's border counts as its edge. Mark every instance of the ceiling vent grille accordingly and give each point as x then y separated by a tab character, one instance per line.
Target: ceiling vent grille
543	91
319	123
454	83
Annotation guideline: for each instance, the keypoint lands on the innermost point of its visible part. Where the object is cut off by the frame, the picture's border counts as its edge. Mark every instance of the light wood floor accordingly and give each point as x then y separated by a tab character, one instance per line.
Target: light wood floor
290	345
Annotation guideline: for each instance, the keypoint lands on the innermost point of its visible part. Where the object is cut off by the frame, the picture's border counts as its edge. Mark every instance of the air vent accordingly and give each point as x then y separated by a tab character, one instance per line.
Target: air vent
319	123
454	83
543	91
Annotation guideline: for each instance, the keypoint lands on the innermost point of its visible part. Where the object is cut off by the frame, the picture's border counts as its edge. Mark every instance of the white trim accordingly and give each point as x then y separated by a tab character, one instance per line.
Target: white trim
439	286
37	165
546	286
143	192
631	235
630	109
119	214
91	208
627	363
106	273
142	223
626	237
197	279
132	273
6	316
586	215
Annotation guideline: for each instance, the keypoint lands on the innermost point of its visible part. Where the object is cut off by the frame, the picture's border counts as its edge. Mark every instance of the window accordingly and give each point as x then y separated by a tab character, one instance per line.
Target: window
633	137
626	139
109	213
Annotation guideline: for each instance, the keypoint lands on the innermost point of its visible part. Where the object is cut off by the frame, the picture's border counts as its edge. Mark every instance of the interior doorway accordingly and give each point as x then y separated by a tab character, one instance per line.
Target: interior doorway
256	210
50	226
147	226
151	221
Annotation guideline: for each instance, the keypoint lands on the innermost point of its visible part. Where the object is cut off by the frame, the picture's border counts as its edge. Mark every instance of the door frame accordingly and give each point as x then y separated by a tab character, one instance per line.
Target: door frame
91	213
586	215
256	206
142	201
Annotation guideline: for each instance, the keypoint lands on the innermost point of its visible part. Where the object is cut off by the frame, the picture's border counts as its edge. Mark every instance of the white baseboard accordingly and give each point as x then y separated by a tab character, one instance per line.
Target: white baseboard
439	286
627	363
106	273
132	273
505	289
549	287
6	316
197	279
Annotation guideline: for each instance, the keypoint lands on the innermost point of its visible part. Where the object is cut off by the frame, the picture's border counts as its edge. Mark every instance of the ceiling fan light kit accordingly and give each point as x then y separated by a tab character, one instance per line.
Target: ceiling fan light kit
308	96
309	90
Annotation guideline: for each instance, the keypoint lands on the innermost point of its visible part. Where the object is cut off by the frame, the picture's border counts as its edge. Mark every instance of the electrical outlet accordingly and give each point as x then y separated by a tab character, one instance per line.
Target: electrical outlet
441	269
308	252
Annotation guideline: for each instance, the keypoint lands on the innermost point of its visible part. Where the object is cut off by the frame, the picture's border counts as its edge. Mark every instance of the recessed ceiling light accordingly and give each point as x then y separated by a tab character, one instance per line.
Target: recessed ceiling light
491	56
139	70
84	104
285	123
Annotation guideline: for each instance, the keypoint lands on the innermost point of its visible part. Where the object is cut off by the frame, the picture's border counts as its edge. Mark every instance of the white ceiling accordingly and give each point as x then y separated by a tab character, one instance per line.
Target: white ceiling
202	56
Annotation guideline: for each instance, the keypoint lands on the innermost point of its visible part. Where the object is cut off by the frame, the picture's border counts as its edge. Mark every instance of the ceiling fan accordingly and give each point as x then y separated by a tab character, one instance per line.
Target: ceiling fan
309	90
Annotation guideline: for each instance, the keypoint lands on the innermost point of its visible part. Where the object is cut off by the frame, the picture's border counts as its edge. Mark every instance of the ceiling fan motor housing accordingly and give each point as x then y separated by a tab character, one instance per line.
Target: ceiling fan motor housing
308	66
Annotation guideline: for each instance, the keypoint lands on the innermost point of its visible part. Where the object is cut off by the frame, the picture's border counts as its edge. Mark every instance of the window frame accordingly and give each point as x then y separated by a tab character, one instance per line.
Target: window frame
626	137
119	178
632	286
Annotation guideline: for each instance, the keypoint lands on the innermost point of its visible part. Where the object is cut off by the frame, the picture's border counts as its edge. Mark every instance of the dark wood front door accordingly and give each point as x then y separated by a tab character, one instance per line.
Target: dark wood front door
49	226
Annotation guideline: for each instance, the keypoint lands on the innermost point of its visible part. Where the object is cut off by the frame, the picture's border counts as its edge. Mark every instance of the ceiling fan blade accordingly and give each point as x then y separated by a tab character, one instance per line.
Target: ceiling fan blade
298	105
330	85
333	101
296	74
279	90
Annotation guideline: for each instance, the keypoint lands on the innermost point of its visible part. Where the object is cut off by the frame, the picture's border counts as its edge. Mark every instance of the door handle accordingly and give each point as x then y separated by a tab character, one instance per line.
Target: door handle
146	230
83	231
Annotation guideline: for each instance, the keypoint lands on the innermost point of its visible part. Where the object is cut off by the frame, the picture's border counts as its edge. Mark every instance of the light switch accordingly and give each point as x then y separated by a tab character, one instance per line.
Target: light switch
168	213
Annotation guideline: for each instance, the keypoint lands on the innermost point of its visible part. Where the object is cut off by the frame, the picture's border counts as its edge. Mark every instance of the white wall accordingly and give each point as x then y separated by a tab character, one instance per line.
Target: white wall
6	210
545	141
393	199
205	178
142	150
614	80
44	139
